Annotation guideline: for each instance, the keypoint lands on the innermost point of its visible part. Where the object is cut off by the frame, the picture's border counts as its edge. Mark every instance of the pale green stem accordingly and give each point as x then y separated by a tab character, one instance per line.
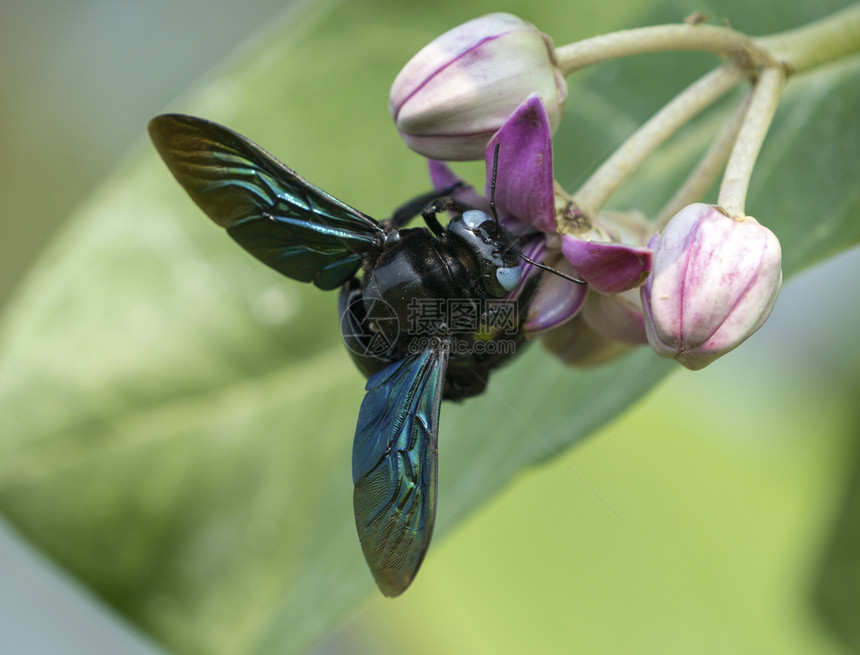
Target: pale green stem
817	43
594	193
776	56
802	48
659	38
765	98
709	167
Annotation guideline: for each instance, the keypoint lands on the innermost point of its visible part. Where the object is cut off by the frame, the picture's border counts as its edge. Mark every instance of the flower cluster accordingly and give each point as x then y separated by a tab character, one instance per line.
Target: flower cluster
694	285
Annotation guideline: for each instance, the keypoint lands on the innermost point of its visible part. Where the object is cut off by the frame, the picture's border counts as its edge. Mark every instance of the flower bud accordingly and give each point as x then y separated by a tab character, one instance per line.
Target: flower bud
714	282
453	95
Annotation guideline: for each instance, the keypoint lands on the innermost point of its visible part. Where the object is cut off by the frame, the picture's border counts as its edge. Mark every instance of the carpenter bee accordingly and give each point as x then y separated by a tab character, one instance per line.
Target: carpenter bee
426	312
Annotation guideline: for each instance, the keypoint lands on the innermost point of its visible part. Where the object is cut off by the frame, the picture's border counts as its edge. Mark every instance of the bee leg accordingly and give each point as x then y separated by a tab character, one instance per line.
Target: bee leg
408	210
437	206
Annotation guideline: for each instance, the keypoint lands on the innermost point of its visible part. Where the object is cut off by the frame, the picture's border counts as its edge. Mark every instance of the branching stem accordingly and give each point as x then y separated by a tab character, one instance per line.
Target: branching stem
594	193
657	38
711	164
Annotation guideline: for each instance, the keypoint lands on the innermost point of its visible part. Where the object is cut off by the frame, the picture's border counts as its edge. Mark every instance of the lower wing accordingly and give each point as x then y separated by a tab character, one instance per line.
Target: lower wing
394	466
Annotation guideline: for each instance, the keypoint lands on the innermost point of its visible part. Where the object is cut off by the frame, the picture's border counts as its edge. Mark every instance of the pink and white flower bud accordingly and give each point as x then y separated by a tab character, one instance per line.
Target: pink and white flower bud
453	95
714	282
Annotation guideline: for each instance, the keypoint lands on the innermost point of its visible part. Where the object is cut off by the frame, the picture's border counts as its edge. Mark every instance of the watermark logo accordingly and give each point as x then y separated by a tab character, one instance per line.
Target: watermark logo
463	316
380	340
475	326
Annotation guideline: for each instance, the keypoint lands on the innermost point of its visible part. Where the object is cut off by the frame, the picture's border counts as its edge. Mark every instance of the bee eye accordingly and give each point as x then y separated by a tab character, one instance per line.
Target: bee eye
473	219
509	277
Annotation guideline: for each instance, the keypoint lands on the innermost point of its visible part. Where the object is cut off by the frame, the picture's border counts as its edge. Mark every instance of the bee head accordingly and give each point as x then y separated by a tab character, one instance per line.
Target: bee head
493	248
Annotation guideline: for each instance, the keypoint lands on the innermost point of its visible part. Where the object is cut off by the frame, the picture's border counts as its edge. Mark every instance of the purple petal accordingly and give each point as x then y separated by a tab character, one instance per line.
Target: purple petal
577	344
616	316
534	249
608	267
443	177
524	183
557	301
441	174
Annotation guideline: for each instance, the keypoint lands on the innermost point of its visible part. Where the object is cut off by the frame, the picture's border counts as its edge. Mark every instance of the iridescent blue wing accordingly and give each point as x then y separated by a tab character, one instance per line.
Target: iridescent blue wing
394	466
276	215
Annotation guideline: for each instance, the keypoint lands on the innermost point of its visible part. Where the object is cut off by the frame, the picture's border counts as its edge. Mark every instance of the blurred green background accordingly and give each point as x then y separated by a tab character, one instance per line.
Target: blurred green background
696	522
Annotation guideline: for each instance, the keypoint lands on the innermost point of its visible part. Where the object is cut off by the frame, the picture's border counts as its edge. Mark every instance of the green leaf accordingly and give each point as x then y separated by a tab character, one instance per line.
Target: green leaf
176	420
837	590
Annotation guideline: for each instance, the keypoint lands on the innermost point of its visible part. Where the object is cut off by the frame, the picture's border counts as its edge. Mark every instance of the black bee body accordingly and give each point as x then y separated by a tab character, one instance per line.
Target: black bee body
426	313
422	287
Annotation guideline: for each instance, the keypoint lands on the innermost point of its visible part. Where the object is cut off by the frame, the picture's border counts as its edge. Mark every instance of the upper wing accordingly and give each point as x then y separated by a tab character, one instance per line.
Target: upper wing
394	466
276	215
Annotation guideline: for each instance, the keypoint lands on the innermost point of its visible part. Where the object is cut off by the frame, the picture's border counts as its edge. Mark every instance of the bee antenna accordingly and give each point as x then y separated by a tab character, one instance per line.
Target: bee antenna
550	269
493	183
